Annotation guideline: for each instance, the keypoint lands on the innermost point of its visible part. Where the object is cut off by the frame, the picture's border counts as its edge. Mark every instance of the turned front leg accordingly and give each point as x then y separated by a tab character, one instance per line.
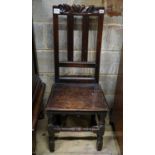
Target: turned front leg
100	132
51	132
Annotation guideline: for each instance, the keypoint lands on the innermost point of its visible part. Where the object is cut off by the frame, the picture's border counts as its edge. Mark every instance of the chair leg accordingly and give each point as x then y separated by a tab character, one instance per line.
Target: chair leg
99	143
100	132
51	144
51	134
33	142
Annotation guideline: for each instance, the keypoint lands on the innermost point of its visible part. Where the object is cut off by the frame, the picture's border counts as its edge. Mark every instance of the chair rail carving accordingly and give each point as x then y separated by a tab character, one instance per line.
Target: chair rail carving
65	8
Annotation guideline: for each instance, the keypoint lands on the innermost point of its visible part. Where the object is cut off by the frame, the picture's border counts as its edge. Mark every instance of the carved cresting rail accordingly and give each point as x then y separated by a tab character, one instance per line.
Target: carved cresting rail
78	9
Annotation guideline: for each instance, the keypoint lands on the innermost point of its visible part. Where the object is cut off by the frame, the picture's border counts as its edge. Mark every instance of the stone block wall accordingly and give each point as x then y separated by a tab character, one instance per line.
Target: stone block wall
111	44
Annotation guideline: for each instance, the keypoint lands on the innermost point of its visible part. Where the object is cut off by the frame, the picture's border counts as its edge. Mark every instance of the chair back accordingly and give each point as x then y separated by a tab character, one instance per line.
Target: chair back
71	12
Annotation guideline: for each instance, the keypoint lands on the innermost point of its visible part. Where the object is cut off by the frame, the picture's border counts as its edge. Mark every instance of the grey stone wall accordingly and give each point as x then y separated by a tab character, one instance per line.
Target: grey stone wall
111	45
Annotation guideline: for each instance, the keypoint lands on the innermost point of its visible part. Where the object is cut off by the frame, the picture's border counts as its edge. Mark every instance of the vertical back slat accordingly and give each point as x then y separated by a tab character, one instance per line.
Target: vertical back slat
98	46
85	32
70	24
56	46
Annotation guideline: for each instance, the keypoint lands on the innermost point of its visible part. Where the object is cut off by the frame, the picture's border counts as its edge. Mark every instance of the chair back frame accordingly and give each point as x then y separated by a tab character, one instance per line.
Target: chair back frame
70	12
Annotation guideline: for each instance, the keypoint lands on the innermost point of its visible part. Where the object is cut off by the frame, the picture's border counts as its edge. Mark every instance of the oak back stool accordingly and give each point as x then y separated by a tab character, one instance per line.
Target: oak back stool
77	95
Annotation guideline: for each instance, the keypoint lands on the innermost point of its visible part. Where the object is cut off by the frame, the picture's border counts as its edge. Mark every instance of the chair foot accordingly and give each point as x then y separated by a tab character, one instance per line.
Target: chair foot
51	145
99	144
100	132
51	133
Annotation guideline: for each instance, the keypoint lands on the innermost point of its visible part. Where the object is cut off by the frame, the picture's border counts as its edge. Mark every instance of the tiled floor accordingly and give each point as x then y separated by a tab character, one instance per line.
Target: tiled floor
75	147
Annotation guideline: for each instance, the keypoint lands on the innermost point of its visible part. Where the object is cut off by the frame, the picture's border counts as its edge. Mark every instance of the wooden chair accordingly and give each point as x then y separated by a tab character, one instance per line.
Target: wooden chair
77	95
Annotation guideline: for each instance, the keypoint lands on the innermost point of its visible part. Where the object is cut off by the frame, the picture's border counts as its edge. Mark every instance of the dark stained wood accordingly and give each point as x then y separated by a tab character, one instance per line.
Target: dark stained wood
85	32
77	95
70	45
72	79
100	132
66	9
84	55
76	138
75	129
56	46
77	64
98	46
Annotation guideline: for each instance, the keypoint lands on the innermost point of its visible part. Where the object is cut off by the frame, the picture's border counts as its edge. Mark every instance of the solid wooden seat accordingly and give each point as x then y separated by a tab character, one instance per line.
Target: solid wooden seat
77	94
77	97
